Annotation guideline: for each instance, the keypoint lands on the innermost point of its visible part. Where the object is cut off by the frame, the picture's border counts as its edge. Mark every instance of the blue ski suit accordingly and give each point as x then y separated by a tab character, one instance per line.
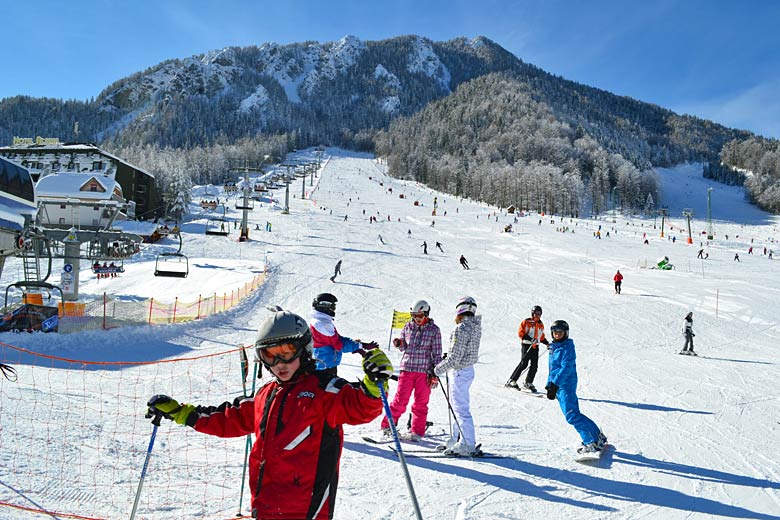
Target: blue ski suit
563	373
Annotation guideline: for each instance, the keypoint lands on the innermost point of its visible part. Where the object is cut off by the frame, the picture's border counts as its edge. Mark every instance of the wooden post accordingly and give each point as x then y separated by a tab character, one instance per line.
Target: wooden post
175	303
151	303
104	311
198	315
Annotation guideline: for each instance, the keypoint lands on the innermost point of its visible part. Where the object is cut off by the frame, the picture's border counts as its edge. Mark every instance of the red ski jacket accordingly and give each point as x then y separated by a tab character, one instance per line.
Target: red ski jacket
618	277
294	462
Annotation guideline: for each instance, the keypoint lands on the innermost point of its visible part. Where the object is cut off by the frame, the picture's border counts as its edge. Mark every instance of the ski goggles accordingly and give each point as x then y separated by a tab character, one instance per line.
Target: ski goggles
284	353
417	315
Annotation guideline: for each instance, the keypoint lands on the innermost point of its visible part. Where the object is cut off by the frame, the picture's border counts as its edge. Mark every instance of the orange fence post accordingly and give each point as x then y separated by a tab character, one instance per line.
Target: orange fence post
151	303
198	316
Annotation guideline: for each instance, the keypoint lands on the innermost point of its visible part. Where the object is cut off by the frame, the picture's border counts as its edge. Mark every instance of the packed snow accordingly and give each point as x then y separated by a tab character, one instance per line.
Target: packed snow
691	437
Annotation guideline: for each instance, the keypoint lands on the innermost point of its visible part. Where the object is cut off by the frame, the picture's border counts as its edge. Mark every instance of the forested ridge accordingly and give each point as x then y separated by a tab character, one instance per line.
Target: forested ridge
464	115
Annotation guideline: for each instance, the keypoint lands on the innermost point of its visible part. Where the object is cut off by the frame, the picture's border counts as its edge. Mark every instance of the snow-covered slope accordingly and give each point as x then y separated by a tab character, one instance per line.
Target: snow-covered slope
693	437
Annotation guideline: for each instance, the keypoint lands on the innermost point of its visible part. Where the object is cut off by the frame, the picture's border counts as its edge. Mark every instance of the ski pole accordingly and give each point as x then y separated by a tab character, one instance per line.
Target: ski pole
156	423
8	372
449	414
449	405
401	457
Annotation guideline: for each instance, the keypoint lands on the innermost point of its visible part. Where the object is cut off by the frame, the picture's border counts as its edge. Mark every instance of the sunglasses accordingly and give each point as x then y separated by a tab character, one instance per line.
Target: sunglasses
284	353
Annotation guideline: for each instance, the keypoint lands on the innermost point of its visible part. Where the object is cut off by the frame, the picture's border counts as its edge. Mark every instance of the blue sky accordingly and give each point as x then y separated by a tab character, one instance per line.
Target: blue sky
715	59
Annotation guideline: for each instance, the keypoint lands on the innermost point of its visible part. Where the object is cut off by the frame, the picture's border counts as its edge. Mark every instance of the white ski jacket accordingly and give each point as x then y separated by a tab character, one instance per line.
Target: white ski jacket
464	346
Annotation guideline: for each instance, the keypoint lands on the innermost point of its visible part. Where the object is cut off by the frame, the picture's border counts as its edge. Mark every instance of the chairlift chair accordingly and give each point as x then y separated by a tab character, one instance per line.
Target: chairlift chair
173	265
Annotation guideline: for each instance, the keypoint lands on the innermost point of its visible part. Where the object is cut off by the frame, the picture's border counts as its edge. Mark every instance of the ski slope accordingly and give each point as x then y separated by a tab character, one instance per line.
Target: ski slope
692	437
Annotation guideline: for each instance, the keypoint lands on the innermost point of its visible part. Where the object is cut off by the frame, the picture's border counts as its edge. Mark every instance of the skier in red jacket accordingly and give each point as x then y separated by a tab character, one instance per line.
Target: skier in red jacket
296	418
618	281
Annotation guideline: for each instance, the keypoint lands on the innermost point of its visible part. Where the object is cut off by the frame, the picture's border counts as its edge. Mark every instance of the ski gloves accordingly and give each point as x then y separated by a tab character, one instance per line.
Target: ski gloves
433	381
368	346
552	390
169	408
378	370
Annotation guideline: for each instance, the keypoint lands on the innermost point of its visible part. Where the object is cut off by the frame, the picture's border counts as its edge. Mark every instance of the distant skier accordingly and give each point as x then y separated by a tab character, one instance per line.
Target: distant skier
689	335
562	385
736	257
381	240
425	247
438	245
336	271
701	254
618	281
464	262
409	233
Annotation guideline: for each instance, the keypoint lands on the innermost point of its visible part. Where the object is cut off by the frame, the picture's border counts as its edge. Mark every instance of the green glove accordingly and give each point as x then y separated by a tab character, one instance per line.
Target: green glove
169	408
378	370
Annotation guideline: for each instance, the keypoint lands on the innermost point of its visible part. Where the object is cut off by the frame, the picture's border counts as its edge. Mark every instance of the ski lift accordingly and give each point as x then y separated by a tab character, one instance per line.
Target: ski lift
173	265
218	226
250	204
32	314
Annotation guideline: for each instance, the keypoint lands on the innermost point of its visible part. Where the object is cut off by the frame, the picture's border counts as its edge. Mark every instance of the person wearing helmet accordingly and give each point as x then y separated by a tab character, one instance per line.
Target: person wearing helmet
562	385
531	333
297	419
328	343
463	354
420	344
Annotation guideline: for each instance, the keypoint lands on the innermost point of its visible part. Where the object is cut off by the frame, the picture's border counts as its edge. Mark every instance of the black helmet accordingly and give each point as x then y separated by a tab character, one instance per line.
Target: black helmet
536	308
560	325
325	302
283	328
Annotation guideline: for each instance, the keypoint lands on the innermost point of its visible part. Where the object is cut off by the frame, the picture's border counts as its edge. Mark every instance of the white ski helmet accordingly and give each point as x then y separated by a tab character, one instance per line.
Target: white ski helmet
421	306
466	304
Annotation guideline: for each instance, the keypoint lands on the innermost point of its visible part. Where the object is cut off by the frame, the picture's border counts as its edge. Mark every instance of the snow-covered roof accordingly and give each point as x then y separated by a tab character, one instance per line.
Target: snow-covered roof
70	185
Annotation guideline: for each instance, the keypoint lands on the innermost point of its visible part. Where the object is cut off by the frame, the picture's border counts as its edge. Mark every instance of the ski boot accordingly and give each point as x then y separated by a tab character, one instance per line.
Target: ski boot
512	384
530	387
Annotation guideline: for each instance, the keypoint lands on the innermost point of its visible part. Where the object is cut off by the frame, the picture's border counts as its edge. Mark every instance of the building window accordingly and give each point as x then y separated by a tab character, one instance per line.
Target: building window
55	166
62	206
95	222
62	220
97	165
96	208
93	186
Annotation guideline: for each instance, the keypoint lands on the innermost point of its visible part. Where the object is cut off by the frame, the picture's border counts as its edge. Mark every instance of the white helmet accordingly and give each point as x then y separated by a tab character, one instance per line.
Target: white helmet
421	306
466	304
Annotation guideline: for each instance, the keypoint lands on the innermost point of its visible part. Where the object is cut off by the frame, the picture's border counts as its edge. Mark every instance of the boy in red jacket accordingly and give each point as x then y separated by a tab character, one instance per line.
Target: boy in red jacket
618	281
297	418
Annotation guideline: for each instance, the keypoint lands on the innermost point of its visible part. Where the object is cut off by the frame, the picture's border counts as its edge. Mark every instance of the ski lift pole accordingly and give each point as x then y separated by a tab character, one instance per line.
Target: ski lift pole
401	458
156	423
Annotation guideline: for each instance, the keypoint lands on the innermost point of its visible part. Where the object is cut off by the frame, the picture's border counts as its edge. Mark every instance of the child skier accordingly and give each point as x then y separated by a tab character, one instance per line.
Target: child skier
464	352
562	385
296	418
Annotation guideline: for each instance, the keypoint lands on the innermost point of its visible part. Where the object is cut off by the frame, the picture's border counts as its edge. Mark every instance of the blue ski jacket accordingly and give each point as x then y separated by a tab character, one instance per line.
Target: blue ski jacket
563	365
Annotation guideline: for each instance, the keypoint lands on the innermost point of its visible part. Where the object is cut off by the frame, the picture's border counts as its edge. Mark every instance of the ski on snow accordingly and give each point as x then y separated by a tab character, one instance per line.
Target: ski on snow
439	454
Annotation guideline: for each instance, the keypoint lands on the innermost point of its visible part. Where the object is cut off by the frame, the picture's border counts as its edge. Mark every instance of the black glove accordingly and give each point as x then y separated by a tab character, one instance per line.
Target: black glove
371	345
552	390
546	342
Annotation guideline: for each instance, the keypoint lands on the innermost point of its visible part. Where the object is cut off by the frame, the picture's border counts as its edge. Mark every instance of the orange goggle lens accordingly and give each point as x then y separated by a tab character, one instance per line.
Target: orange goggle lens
284	353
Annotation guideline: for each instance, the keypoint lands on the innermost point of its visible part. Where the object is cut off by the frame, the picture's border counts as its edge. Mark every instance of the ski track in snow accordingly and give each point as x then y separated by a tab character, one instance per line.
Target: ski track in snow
692	437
